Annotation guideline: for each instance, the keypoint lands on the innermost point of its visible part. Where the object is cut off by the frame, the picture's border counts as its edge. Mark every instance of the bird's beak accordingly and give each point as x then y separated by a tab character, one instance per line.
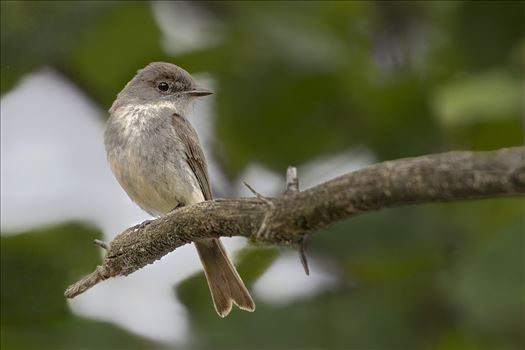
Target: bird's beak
199	92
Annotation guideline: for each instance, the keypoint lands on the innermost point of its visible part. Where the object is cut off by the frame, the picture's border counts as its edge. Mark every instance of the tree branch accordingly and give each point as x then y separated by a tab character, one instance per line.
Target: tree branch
287	219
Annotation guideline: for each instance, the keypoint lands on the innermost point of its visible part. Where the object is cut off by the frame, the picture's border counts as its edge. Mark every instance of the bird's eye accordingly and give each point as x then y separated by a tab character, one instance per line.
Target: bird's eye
163	86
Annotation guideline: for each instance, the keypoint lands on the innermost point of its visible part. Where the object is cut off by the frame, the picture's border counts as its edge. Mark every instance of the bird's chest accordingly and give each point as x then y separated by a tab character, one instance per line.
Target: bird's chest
149	162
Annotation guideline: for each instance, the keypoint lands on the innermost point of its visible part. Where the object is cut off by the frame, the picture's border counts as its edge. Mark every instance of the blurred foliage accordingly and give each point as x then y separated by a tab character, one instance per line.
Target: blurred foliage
295	81
85	39
338	74
36	268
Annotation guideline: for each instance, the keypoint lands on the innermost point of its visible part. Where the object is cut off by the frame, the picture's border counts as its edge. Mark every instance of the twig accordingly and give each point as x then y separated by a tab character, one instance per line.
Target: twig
262	232
292	180
292	186
302	254
87	282
101	244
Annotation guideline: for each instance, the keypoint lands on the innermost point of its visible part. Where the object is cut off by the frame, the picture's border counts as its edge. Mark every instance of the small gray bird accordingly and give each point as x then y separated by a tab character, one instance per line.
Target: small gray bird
156	157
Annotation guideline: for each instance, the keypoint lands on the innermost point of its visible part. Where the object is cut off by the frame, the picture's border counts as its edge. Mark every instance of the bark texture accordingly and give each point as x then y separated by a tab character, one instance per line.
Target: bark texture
287	219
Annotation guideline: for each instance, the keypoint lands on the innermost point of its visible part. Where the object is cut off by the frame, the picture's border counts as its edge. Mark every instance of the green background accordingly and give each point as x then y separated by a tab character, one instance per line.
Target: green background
297	81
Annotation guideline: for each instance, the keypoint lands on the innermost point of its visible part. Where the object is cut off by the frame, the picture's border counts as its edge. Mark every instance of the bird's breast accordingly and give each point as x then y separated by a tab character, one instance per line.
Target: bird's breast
149	161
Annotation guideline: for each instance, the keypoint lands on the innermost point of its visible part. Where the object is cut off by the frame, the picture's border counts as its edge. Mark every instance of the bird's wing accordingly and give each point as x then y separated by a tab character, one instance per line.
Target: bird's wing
194	155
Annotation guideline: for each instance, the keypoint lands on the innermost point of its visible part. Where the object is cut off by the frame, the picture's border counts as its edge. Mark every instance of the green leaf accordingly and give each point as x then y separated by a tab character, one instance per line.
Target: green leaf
489	96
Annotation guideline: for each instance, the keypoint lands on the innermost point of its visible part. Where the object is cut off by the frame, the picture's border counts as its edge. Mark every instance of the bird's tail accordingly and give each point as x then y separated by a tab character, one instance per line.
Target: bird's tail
226	286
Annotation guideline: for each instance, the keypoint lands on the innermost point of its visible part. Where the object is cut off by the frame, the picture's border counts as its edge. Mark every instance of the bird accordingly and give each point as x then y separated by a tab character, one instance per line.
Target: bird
155	155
